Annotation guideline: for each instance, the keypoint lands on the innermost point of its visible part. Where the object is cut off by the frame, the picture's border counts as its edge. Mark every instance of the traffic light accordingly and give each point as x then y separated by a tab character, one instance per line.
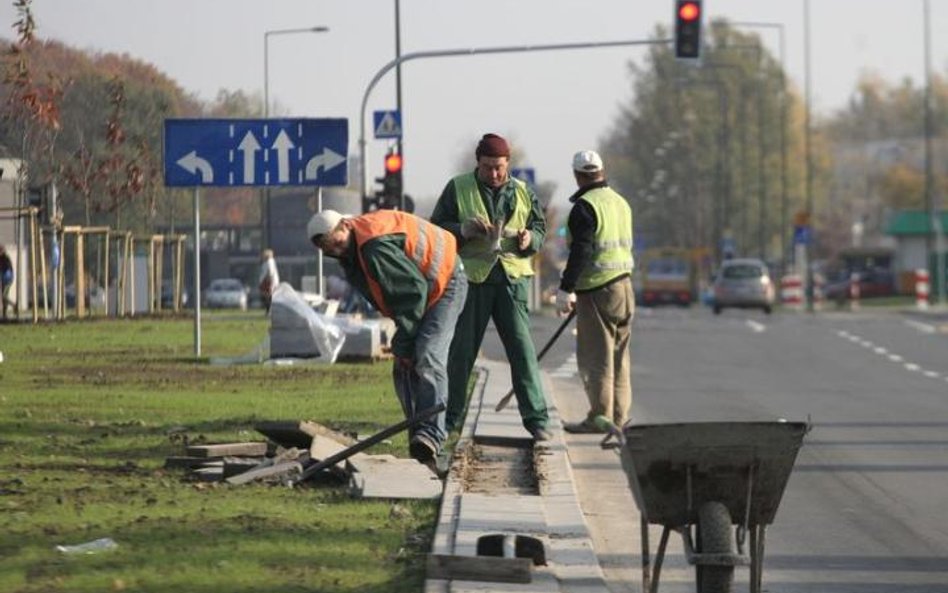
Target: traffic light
390	195
687	29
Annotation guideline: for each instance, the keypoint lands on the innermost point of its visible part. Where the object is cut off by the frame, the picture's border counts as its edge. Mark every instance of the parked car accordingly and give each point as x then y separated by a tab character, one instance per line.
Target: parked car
873	282
167	297
226	293
743	283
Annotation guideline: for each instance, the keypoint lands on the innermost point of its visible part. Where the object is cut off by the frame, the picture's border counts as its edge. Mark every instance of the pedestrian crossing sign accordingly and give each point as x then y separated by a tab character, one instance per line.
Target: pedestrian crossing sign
388	124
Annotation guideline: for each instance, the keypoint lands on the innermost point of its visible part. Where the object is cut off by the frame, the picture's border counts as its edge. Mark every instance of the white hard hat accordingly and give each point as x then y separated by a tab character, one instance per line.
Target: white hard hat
322	222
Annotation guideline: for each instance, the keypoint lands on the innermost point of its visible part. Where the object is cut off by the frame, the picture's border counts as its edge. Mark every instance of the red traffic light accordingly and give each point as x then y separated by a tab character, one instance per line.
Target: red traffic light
393	163
689	11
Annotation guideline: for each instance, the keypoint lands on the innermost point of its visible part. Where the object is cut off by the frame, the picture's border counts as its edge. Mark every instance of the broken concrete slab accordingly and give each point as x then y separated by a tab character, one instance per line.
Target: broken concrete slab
278	471
250	449
385	476
289	433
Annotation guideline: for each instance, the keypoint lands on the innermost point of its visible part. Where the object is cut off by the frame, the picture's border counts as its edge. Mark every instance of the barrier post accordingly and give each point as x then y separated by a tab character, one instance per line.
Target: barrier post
791	291
854	291
922	288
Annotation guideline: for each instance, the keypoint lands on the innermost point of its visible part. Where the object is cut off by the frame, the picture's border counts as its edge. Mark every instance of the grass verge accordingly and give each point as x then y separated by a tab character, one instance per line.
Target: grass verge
90	410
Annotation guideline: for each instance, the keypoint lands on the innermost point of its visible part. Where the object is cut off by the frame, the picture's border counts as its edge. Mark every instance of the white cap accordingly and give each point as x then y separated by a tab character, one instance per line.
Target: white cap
322	222
587	161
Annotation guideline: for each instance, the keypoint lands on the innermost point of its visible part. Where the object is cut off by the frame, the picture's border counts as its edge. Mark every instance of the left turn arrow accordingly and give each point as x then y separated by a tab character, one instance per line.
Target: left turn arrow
192	163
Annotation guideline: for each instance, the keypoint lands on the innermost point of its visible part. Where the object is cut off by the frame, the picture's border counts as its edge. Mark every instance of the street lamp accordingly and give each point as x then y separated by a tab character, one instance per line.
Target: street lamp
268	229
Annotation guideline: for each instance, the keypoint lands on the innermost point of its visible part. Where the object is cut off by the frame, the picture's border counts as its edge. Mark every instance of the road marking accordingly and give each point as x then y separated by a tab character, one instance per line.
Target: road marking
757	327
909	366
925	328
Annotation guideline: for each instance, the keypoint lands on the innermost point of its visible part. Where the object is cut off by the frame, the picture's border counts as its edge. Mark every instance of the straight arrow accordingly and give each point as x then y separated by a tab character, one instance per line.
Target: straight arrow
282	146
249	146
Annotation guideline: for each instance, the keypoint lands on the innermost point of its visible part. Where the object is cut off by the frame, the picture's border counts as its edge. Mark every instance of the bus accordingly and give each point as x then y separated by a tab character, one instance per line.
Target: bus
668	276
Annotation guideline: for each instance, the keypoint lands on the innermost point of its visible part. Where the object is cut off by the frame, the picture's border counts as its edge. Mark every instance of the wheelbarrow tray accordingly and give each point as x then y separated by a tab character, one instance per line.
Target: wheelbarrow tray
674	468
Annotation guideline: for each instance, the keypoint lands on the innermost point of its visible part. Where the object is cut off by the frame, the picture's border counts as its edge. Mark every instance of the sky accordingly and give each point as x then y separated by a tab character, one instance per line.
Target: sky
549	104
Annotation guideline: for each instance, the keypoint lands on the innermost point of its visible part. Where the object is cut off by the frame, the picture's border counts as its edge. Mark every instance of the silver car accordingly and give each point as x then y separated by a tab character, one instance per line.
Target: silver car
743	283
226	292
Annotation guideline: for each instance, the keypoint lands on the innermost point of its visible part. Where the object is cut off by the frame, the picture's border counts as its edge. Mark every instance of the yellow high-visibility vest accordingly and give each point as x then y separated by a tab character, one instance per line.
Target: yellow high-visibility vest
478	254
612	242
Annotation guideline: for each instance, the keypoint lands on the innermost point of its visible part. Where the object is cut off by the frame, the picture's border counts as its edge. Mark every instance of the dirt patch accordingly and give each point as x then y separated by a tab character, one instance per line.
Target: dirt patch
499	470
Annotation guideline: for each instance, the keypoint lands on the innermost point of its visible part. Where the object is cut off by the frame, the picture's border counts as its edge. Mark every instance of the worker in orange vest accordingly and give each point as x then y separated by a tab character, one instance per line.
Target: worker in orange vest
409	270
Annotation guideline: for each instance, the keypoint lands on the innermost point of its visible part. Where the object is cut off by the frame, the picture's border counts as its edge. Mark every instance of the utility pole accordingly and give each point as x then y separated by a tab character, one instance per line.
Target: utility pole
398	89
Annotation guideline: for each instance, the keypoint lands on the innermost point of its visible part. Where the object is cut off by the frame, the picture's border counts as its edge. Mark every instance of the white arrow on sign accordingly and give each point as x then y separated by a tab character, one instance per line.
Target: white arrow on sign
249	146
282	146
192	163
327	160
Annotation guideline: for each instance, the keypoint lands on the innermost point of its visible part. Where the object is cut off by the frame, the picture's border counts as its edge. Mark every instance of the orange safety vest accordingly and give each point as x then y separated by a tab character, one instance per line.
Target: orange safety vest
432	248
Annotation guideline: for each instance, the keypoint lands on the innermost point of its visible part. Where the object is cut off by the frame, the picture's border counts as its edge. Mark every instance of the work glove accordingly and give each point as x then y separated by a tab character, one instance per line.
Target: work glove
475	227
565	302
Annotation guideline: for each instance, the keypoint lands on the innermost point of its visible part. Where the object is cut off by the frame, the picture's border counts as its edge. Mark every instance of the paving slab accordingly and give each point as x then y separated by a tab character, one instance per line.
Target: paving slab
553	516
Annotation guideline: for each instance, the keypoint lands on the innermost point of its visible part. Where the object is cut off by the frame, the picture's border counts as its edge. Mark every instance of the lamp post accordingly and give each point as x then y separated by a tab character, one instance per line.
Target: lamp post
267	227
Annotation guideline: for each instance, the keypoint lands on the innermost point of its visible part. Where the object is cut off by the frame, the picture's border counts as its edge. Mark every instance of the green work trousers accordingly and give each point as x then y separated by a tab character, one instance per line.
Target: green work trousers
506	304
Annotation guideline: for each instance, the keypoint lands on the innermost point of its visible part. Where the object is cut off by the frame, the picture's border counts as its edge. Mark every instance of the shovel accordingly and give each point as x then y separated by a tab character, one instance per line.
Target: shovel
506	399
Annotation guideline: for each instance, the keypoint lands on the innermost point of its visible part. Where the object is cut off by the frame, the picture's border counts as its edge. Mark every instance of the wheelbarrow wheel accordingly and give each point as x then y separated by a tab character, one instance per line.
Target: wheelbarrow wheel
715	536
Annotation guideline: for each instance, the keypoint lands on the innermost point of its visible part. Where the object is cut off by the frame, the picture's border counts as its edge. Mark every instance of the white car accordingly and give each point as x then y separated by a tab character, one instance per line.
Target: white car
226	293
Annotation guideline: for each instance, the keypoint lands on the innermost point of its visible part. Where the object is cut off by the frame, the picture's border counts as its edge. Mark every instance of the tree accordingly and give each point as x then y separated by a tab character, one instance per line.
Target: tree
697	149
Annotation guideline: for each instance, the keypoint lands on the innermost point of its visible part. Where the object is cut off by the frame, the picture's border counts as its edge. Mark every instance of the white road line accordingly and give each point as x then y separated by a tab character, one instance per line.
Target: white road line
909	366
757	327
925	328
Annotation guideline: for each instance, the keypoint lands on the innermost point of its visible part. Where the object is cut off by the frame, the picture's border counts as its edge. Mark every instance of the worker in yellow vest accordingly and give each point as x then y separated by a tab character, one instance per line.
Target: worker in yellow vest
597	281
499	226
408	268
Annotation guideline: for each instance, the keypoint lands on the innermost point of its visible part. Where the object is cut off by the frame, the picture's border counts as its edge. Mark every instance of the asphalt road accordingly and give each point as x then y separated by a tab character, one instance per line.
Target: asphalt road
865	508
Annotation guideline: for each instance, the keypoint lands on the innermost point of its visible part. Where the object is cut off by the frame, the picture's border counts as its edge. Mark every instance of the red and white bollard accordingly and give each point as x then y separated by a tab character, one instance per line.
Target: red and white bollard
922	288
854	291
791	291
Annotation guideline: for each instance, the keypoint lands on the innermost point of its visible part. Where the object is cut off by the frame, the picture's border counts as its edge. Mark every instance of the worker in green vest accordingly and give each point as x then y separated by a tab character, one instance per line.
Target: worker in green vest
597	282
499	226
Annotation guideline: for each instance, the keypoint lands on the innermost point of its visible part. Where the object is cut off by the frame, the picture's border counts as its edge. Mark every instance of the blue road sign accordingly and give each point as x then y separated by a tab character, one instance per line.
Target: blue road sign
256	152
802	235
387	124
525	174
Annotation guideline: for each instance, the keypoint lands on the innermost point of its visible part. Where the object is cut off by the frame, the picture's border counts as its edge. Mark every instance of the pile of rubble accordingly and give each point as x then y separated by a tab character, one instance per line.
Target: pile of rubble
291	452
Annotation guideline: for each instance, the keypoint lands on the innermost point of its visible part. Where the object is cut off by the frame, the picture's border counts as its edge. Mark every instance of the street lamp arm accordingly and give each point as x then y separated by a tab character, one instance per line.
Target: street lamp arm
469	52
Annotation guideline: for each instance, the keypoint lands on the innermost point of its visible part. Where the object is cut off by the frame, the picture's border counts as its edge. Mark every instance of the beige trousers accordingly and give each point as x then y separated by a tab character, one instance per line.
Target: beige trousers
603	329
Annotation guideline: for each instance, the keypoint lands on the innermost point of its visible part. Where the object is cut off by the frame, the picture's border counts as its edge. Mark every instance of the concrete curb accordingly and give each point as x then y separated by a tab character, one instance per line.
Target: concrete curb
553	517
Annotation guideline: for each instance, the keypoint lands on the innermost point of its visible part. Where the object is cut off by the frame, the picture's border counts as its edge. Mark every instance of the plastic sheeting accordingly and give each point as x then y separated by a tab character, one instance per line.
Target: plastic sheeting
298	330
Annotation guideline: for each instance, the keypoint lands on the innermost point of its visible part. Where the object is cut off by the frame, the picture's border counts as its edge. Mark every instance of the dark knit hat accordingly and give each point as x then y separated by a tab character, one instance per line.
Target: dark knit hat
492	145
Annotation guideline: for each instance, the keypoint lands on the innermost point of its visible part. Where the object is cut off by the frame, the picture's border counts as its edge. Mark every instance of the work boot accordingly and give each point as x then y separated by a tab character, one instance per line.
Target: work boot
540	434
422	449
584	427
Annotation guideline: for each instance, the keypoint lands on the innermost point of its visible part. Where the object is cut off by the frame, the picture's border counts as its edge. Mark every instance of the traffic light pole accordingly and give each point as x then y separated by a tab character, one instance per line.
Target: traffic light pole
469	52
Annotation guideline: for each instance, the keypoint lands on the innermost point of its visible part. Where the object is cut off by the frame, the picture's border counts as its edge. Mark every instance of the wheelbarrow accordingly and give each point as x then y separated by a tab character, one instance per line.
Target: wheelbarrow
718	484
